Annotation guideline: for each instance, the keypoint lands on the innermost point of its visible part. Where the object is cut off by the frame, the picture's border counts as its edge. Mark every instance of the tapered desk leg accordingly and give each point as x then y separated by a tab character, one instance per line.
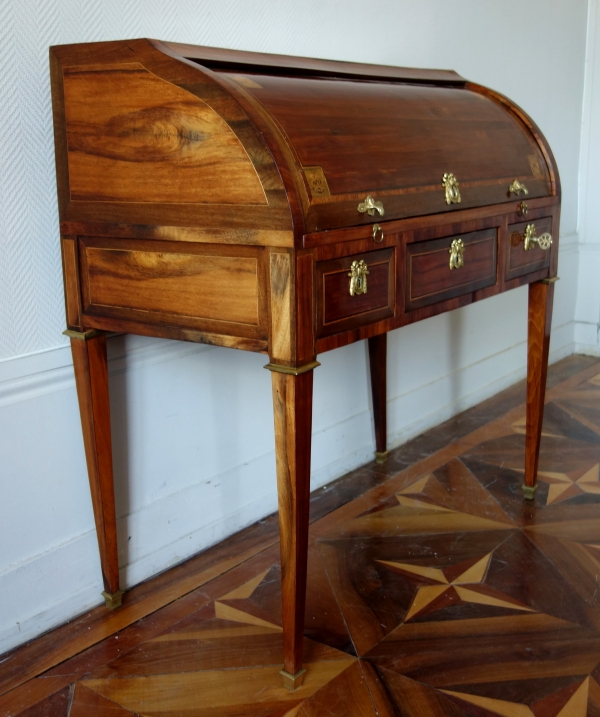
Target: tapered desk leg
541	295
378	366
91	378
292	407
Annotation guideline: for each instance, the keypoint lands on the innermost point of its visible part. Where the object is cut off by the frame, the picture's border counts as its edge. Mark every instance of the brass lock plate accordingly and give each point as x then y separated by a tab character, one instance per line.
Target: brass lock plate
450	185
457	254
358	278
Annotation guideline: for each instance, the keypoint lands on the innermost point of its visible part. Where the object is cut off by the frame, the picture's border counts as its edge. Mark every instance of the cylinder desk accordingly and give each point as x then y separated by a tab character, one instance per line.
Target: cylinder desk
288	206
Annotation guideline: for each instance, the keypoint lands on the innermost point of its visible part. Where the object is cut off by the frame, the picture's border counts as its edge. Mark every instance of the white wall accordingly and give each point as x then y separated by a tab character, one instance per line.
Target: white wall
193	424
587	313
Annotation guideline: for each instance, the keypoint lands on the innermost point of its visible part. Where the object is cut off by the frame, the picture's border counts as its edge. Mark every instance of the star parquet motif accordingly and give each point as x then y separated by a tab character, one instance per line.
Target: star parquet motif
563	486
445	586
433	590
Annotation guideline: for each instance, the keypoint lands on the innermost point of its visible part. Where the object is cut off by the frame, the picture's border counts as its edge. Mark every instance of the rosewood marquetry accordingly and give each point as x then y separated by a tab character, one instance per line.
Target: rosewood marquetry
287	206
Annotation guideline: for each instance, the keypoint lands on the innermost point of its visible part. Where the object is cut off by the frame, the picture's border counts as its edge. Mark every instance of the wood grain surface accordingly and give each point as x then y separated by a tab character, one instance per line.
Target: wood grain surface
218	57
406	125
73	308
429	278
541	298
292	409
91	379
209	285
337	310
133	137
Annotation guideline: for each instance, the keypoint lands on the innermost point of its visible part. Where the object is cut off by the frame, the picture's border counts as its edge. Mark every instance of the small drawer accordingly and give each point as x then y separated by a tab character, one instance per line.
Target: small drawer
520	261
430	278
345	301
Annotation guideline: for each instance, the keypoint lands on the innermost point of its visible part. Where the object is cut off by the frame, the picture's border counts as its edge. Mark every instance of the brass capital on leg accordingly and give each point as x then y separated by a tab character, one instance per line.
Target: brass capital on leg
292	370
113	600
381	456
529	491
292	682
82	335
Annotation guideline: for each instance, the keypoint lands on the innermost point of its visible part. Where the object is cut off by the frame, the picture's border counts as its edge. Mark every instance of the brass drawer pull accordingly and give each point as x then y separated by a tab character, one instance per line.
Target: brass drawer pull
450	184
457	251
377	233
544	241
358	278
370	206
516	187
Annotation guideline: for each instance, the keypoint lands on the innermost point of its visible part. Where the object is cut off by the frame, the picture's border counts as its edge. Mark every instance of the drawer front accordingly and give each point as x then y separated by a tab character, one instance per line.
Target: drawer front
429	278
340	310
518	260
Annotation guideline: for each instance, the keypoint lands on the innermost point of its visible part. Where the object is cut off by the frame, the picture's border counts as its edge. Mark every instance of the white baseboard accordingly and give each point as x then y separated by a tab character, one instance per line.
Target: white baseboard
587	311
587	337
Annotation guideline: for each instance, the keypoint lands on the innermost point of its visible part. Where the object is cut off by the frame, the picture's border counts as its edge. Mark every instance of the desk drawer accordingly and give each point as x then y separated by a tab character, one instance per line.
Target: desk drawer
520	261
429	276
355	290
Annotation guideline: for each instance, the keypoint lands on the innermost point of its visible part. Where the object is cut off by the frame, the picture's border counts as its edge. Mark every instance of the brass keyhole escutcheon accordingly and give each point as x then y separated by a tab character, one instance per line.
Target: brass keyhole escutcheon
370	206
522	209
377	233
450	184
358	278
544	241
457	251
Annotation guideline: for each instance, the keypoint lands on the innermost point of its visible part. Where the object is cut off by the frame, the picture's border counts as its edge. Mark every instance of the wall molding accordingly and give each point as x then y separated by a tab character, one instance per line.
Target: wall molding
25	377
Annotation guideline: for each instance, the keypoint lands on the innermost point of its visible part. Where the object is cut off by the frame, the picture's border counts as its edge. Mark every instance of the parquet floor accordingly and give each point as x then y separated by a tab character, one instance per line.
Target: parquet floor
434	589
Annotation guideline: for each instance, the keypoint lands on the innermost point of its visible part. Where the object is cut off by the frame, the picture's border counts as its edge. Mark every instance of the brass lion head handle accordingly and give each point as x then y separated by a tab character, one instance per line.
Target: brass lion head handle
370	206
450	184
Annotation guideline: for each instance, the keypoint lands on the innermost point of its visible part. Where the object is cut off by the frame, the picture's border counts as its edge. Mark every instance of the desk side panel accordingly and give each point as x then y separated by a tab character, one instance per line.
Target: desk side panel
150	146
170	287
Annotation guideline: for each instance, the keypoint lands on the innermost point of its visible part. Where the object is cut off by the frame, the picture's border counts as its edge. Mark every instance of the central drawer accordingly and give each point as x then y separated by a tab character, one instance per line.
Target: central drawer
432	276
355	290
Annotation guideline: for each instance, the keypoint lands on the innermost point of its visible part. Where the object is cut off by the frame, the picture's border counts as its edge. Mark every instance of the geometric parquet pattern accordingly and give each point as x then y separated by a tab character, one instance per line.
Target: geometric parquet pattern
434	589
